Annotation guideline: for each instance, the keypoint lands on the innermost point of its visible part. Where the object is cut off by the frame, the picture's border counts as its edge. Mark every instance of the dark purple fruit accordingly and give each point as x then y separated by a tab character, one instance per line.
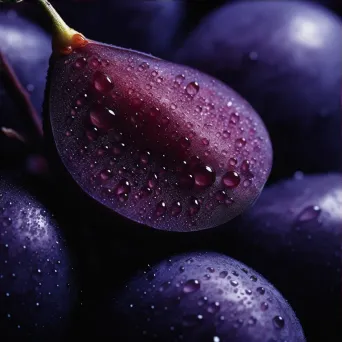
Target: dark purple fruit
27	49
202	297
159	143
284	57
37	289
293	235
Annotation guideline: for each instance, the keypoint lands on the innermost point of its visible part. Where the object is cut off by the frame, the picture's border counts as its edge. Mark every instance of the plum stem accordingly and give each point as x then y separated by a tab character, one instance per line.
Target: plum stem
28	112
65	39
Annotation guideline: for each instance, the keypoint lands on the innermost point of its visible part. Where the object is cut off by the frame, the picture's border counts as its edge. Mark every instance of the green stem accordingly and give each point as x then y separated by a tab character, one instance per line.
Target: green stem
65	39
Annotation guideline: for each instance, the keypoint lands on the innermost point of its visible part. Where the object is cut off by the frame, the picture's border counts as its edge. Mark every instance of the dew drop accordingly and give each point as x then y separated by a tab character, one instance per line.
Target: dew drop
213	307
234	118
231	179
204	176
80	63
278	322
160	209
309	213
176	208
194	206
264	306
123	189
241	142
261	290
253	278
202	301
143	66
164	286
191	286
223	274
179	79
181	269
102	82
192	88
102	118
220	196
105	174
205	141
145	157
234	283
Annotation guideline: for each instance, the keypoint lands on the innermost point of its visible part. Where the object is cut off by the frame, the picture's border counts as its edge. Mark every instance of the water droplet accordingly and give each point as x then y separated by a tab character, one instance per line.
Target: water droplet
309	213
241	142
251	321
194	206
249	292
278	322
105	174
160	209
191	286
231	179
122	190
205	176
264	306
143	66
102	82
186	180
80	63
164	286
261	290
179	79
253	278
220	196
192	88
102	118
213	307
234	283
145	157
205	141
223	274
176	208
216	339
234	118
173	106
202	301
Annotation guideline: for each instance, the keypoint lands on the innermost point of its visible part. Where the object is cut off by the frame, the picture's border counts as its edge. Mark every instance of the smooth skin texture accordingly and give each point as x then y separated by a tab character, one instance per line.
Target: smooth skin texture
284	57
37	283
293	235
202	296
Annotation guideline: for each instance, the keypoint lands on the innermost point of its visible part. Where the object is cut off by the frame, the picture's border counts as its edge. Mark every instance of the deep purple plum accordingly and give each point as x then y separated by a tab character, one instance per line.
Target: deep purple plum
293	235
159	143
284	57
202	297
37	283
27	49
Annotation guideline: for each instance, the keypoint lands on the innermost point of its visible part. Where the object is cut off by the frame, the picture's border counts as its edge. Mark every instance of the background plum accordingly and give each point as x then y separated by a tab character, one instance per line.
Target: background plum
37	283
27	49
293	235
284	57
202	297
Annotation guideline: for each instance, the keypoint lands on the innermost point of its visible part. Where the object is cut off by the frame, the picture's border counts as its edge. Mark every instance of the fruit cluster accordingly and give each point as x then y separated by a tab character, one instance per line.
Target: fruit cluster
145	184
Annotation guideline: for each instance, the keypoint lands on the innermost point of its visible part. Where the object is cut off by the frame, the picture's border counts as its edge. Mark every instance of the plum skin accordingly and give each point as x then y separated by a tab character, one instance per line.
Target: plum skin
245	128
27	48
301	232
284	58
192	297
37	284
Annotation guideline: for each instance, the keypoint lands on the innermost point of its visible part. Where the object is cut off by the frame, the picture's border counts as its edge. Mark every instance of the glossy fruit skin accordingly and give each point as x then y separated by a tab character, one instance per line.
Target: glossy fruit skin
196	297
37	283
297	224
284	57
27	49
148	26
162	121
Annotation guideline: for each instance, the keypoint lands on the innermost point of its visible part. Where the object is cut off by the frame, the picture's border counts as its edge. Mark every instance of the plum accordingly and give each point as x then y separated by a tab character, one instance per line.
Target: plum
284	57
37	283
202	297
27	49
293	235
